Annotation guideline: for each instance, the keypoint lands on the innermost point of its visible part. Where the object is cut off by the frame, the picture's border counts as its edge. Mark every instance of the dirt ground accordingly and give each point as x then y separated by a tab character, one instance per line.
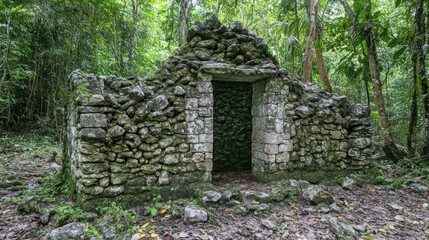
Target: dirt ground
373	211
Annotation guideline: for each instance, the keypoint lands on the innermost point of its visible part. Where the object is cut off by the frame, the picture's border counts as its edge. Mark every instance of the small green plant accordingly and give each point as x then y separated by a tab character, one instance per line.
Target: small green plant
64	213
115	215
374	175
30	200
293	194
339	180
379	180
153	208
92	231
397	184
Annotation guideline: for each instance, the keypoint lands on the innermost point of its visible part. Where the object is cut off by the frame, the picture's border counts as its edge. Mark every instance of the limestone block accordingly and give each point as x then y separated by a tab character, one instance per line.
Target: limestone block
92	190
205	166
103	182
205	112
132	163
360	142
353	152
113	191
165	142
118	168
282	157
136	93
272	138
183	147
337	135
89	148
163	178
191	104
196	127
93	120
118	178
197	157
88	181
201	147
115	132
359	110
171	159
131	128
92	134
160	103
271	148
191	115
89	168
206	100
98	157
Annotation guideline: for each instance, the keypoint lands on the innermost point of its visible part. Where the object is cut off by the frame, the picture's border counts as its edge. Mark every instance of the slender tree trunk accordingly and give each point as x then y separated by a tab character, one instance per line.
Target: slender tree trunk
423	77
413	111
309	50
390	148
218	7
416	51
297	36
321	67
183	21
134	37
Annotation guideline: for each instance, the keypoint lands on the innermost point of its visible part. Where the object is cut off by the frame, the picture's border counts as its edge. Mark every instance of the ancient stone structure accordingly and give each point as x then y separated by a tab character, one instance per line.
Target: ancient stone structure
219	103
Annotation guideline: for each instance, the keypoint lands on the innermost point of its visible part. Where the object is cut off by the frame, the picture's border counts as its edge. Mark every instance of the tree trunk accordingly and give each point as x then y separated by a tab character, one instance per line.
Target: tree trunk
413	111
183	21
390	149
134	37
309	50
423	77
415	59
321	67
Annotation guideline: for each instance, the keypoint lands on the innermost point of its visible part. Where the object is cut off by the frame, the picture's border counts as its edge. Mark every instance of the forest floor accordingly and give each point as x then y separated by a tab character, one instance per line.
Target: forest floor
392	203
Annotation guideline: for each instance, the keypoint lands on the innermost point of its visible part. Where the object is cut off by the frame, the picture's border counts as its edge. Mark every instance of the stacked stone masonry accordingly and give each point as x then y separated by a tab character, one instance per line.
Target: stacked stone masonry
128	135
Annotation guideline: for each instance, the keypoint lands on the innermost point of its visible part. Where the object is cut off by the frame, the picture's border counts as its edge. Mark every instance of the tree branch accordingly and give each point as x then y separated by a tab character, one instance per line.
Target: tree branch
349	11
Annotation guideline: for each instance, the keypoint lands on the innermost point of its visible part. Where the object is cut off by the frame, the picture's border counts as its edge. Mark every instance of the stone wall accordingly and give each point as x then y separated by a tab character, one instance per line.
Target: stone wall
131	136
232	126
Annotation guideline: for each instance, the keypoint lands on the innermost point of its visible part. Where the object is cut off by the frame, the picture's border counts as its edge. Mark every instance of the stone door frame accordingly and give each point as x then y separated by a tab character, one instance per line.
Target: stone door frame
268	118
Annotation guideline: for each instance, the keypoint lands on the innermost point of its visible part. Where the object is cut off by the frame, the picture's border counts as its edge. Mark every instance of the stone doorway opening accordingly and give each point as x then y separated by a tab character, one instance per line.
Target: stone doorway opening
232	126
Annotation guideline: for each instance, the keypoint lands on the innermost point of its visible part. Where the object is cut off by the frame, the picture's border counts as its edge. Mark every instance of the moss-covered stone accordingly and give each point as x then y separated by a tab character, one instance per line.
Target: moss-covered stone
232	126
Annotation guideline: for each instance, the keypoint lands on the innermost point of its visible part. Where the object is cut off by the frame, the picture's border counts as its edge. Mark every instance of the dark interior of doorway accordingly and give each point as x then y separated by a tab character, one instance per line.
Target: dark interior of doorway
232	126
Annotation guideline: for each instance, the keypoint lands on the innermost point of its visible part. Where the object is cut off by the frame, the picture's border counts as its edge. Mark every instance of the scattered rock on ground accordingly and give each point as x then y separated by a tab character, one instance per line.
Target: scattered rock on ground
211	196
418	188
350	182
269	224
316	194
340	229
395	206
335	208
44	219
71	231
227	195
195	214
261	197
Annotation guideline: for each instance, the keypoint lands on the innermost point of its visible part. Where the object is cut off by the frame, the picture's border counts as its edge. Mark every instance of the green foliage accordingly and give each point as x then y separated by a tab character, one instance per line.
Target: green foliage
32	200
92	231
294	193
374	175
122	220
397	183
155	205
65	212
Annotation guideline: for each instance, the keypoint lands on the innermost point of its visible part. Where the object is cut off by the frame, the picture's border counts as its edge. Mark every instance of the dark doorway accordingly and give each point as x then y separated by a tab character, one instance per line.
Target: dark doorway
232	126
